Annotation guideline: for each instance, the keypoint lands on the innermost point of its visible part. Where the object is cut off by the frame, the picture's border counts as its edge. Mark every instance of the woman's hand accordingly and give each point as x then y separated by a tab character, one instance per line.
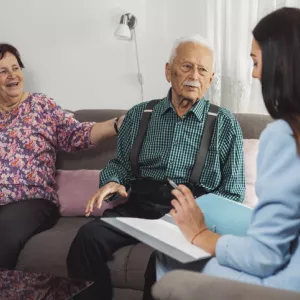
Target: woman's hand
120	121
190	219
186	213
103	130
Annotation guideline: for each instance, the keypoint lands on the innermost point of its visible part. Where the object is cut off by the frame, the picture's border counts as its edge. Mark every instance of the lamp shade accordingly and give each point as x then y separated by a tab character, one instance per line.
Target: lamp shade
123	32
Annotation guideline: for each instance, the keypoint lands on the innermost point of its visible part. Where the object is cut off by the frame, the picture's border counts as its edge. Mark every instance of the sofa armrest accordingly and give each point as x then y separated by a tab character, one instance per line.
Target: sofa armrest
182	285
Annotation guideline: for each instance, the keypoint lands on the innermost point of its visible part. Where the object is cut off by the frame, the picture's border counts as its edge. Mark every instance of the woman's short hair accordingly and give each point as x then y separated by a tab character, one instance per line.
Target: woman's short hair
7	48
278	35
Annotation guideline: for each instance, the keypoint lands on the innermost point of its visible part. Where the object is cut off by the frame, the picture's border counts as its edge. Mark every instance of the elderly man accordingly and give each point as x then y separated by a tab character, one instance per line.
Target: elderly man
181	137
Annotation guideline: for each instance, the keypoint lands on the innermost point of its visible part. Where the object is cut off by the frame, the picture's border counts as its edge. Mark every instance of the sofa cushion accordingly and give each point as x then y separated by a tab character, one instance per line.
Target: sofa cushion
127	268
74	188
252	124
136	265
185	285
96	157
250	155
127	294
47	252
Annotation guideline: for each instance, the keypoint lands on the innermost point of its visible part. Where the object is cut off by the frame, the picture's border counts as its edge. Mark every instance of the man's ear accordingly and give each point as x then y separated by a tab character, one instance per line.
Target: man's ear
211	78
168	72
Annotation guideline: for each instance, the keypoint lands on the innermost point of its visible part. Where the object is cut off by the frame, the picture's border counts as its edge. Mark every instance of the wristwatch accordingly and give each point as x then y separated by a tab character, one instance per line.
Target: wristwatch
116	125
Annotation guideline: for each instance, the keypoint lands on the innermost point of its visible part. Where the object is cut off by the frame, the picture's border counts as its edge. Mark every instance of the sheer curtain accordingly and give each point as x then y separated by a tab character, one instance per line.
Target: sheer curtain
229	27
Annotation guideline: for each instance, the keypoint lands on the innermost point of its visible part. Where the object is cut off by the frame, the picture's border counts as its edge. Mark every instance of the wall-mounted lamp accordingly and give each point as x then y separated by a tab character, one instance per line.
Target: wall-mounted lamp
127	23
123	32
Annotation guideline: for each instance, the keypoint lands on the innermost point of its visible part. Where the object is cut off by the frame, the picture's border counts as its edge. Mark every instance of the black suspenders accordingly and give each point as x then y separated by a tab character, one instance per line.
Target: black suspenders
138	142
204	142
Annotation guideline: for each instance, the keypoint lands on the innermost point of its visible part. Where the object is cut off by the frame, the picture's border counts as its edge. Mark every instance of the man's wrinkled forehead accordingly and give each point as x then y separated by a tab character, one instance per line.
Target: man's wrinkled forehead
194	53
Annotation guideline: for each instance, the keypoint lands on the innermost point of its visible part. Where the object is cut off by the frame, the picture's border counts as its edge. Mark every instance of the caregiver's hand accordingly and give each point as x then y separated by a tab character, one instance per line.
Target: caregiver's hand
186	213
190	219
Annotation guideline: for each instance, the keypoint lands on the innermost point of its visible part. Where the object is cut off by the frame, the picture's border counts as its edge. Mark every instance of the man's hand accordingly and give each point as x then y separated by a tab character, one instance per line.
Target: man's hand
186	213
103	193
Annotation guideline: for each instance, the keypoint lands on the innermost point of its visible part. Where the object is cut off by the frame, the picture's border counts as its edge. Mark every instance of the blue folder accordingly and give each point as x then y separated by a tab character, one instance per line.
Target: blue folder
225	216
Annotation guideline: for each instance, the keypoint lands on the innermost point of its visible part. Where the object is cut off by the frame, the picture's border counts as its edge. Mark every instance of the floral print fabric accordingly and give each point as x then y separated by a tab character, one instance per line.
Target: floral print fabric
30	136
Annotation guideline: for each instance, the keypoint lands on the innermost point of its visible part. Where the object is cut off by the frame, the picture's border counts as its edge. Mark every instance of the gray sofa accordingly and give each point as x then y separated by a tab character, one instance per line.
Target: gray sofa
184	285
47	251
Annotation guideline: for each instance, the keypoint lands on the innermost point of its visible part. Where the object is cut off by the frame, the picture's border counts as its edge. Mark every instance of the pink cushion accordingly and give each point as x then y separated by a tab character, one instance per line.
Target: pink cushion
75	188
250	154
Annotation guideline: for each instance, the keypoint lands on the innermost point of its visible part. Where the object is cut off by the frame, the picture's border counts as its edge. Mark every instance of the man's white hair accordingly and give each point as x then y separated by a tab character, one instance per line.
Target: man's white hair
196	39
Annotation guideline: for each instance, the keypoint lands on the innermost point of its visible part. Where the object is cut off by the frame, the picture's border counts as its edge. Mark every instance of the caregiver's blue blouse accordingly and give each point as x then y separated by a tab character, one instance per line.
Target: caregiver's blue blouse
270	253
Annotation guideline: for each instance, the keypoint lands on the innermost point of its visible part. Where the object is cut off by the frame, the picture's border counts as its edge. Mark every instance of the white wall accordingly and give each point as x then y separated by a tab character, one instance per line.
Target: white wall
71	54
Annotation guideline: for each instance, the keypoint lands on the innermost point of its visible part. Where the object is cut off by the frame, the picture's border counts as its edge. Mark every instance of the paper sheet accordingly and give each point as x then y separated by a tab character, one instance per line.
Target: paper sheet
167	233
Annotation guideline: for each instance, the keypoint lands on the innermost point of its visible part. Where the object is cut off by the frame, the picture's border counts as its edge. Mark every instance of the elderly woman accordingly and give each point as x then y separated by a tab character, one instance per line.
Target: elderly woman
269	254
32	128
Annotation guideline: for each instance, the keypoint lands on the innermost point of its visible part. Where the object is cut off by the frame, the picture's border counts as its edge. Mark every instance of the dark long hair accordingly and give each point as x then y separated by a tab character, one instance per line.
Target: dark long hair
7	48
278	35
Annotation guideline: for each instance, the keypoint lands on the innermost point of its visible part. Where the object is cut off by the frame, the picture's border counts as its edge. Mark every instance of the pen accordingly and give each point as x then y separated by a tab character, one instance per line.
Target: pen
174	185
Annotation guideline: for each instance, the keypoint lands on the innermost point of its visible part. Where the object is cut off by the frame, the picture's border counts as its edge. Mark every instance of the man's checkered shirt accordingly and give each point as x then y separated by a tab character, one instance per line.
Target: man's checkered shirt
171	145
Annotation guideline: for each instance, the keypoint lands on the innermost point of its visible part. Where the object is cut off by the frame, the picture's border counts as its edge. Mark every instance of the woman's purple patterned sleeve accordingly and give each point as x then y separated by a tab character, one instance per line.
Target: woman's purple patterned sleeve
71	134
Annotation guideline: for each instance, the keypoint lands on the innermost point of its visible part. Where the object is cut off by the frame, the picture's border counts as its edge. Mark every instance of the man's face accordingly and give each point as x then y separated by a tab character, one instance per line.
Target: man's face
191	72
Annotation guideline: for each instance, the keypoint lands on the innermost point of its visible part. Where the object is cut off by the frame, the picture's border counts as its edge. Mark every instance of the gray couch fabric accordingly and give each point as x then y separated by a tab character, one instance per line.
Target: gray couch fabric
47	251
184	285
